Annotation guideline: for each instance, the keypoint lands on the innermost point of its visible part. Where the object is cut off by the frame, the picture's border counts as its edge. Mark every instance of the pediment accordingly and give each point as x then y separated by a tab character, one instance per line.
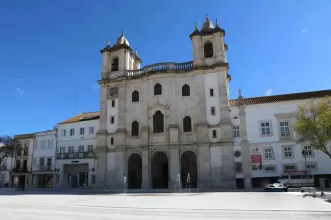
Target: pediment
159	105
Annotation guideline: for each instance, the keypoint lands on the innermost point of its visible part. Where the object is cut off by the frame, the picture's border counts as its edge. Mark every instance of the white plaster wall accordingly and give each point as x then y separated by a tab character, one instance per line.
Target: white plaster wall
255	113
77	126
211	82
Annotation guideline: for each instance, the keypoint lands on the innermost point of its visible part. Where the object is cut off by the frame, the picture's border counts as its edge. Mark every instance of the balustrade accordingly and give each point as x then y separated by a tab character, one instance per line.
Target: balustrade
176	67
75	155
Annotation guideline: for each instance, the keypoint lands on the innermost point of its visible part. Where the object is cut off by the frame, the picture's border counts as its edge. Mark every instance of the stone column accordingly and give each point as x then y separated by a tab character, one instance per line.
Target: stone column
204	166
145	170
174	166
101	154
247	165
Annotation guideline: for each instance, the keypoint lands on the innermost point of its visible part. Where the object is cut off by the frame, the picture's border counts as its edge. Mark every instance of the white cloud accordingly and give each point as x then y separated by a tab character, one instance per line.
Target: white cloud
20	91
304	31
268	92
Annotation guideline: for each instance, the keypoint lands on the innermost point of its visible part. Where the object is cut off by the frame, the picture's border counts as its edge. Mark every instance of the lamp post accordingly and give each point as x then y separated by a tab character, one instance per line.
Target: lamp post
304	154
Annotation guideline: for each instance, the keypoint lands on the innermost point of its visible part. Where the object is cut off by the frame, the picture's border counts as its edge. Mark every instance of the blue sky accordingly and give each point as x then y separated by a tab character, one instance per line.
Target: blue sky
49	50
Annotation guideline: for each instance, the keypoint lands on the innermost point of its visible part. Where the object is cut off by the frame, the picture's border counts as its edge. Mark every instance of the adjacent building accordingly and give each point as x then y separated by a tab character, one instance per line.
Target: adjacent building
21	168
75	160
266	128
44	159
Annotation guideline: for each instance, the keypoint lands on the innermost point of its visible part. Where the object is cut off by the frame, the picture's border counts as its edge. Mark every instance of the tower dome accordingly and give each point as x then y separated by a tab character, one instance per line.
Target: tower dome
207	25
122	40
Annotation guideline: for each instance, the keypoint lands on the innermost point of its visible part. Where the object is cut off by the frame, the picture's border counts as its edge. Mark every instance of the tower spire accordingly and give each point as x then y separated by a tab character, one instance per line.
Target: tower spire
122	32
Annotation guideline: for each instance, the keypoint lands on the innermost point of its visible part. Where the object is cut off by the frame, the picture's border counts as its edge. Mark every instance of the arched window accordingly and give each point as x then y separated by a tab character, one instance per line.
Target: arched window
135	96
208	49
186	90
114	64
158	122
135	128
187	124
157	89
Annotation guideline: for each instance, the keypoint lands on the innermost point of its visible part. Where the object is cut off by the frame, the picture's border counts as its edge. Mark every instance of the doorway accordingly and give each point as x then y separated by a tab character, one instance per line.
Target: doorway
134	171
189	170
160	171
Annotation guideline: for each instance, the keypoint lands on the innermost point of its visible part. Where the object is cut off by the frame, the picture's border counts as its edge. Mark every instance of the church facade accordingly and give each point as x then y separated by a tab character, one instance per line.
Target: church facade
167	125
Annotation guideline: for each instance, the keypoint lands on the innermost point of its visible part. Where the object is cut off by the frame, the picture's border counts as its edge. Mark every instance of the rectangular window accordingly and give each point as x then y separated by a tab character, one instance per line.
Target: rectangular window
36	145
62	150
52	144
265	128
113	103
81	131
70	149
91	130
236	132
289	167
211	92
41	161
268	153
212	110
81	148
72	132
288	151
308	151
112	120
93	178
63	133
111	141
238	167
284	129
90	148
44	145
214	134
49	161
49	144
270	168
311	166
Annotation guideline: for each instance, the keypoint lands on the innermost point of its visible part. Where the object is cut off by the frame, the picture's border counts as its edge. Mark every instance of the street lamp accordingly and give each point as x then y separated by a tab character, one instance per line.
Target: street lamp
304	154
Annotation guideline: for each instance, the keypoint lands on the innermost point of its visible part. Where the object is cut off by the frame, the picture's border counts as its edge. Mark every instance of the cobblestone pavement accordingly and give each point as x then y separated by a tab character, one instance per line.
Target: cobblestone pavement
192	206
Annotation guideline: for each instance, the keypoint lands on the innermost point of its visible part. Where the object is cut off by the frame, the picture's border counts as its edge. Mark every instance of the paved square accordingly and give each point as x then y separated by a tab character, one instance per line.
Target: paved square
165	206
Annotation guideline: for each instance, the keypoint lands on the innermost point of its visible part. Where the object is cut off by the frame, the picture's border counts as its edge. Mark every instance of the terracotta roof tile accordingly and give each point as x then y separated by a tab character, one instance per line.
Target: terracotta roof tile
282	98
82	117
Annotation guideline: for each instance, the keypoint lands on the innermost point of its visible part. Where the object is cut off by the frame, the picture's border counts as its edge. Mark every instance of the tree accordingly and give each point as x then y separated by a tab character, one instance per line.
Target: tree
8	146
313	124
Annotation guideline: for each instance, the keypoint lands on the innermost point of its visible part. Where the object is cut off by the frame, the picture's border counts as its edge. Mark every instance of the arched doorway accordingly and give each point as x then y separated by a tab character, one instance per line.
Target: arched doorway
134	171
160	171
189	166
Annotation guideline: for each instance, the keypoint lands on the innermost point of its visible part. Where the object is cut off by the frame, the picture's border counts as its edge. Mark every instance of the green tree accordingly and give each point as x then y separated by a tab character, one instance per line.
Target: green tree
8	146
313	124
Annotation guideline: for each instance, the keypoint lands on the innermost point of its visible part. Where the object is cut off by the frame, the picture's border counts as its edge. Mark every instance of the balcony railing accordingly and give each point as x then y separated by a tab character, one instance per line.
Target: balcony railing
44	167
76	155
160	67
20	170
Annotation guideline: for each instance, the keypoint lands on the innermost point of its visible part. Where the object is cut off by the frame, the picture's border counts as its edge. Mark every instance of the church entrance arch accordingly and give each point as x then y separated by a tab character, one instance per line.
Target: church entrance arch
134	171
189	168
160	171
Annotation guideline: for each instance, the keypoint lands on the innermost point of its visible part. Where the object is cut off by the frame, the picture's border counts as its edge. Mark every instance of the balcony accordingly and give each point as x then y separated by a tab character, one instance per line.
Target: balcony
76	155
44	168
20	170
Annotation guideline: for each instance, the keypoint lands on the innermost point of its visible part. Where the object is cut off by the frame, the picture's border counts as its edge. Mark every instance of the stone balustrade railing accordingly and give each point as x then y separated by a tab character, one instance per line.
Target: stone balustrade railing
160	67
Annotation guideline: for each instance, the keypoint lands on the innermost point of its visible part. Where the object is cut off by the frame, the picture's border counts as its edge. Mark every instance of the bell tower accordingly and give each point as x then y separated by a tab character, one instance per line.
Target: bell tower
208	44
118	58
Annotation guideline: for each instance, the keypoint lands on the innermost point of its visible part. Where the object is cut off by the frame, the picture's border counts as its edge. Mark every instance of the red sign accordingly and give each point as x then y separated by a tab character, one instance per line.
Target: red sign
256	158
